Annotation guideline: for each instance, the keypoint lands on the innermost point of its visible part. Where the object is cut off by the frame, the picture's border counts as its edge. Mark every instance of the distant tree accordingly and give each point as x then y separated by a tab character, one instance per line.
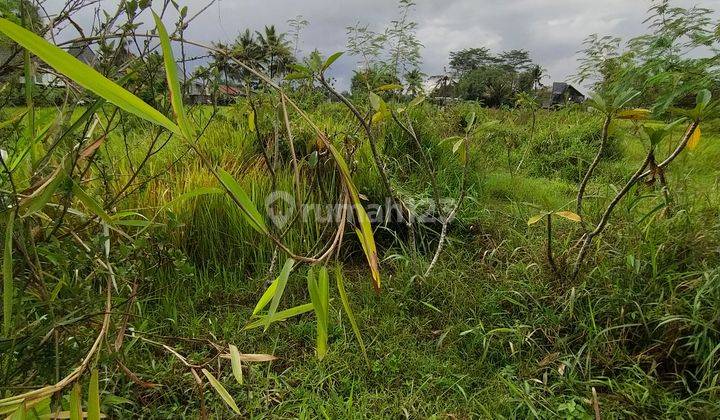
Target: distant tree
221	61
516	60
276	54
247	50
297	24
404	46
444	84
469	59
371	79
536	74
414	80
490	85
364	43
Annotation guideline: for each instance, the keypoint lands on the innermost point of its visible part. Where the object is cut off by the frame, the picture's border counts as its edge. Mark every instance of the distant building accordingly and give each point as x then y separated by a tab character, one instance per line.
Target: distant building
82	51
198	93
563	94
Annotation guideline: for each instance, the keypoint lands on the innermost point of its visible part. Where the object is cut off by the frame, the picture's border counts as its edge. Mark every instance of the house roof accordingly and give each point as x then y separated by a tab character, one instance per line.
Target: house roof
559	88
229	90
82	51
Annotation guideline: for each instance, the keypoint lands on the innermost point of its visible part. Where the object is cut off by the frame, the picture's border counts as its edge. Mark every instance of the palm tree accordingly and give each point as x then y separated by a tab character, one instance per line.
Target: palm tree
247	50
415	80
221	60
536	75
277	56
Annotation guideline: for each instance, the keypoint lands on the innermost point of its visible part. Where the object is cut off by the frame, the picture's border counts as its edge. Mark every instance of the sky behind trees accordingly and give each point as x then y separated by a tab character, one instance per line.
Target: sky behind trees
552	30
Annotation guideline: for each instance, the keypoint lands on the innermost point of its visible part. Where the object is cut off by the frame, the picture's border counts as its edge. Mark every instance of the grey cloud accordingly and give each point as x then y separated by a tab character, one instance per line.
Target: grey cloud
552	30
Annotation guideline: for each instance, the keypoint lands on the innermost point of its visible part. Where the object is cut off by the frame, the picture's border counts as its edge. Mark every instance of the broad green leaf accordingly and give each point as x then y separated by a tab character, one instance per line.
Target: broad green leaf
331	60
252	215
470	121
236	362
702	100
251	121
266	297
220	389
172	80
280	316
379	116
282	282
76	403
531	221
85	75
694	139
417	101
93	404
568	215
349	312
8	286
375	101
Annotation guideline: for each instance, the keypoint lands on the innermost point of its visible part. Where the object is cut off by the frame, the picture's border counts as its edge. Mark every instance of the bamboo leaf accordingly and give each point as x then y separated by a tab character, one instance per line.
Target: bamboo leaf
93	408
280	316
92	204
75	403
220	389
319	305
266	297
235	361
282	282
42	194
531	221
375	101
349	313
331	60
365	233
694	139
8	285
85	75
172	79
252	215
417	101
251	121
568	215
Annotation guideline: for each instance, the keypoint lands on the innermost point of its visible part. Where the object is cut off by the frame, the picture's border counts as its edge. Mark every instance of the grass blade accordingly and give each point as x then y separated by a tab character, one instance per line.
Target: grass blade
8	286
236	362
93	408
349	313
220	389
85	75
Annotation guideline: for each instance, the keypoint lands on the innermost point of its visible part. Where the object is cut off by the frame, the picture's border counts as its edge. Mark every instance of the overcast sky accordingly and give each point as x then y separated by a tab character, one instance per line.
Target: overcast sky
552	30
